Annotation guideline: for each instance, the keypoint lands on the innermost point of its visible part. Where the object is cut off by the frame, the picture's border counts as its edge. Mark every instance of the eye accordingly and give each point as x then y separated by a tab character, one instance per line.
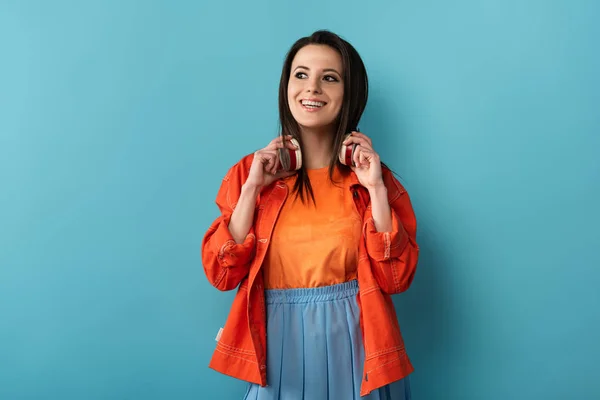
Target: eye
300	75
330	78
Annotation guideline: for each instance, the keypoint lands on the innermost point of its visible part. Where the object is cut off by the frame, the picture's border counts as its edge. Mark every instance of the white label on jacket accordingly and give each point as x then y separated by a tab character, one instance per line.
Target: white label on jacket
219	334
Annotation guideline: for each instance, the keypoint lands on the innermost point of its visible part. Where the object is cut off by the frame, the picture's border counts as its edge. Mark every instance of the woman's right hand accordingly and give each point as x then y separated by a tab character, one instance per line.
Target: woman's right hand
263	170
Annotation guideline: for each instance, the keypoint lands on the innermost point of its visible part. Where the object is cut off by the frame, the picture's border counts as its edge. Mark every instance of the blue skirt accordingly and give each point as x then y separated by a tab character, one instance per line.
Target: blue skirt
315	349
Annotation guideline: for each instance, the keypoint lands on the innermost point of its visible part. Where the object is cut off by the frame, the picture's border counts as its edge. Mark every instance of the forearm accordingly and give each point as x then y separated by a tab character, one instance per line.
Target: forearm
392	249
381	210
242	217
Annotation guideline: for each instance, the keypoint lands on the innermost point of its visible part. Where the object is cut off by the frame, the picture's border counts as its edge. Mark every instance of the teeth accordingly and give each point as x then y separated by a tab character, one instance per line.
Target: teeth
313	103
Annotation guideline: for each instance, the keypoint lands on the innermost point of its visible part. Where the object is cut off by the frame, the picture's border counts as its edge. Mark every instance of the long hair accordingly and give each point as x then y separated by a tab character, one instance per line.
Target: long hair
356	89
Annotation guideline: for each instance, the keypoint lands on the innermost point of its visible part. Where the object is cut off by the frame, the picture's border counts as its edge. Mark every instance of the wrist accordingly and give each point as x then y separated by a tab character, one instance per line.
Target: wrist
378	189
250	189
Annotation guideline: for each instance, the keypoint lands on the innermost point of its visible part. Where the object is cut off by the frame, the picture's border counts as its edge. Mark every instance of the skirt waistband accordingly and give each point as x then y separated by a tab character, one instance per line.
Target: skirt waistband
310	295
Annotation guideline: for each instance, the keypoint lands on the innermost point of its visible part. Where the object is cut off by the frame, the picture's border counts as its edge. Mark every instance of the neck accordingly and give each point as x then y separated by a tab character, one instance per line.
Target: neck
316	147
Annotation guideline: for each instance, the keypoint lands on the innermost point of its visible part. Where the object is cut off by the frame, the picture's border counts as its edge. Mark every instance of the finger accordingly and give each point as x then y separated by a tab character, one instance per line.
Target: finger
362	136
262	157
291	145
281	139
280	143
261	154
270	163
274	164
356	157
365	159
287	145
359	141
265	157
275	143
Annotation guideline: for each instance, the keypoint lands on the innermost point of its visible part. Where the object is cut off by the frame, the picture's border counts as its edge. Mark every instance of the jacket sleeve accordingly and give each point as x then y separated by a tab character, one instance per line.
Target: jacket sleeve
226	262
393	255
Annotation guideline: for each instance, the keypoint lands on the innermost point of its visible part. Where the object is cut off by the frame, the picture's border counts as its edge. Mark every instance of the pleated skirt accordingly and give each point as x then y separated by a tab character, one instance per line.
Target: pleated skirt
315	349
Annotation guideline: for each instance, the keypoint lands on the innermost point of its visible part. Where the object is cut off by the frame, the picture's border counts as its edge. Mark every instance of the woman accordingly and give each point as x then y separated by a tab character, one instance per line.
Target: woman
316	252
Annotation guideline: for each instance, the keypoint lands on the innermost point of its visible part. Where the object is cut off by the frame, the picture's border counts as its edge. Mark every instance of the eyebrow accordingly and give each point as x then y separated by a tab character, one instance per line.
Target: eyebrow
325	70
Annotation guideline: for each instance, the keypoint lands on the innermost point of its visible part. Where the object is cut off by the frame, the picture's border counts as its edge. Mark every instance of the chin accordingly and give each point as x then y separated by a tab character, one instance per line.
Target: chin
313	123
315	126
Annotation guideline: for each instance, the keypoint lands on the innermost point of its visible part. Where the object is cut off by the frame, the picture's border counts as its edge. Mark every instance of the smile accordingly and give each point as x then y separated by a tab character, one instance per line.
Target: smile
312	105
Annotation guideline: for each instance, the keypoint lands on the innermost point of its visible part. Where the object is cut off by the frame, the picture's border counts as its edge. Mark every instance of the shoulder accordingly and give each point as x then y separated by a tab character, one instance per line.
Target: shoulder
231	184
390	180
237	173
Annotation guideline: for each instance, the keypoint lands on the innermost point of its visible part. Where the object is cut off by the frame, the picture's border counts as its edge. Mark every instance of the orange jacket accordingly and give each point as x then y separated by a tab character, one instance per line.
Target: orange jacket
387	264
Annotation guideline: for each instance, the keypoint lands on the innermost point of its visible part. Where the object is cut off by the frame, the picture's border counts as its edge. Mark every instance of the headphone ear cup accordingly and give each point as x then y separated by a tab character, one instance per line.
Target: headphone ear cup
290	159
346	155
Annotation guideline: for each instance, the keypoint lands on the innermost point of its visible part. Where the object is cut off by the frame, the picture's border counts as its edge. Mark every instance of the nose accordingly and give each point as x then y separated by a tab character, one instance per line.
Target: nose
314	85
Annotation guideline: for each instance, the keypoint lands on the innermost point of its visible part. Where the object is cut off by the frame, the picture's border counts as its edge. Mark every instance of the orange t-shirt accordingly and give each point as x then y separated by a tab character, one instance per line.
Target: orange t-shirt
312	245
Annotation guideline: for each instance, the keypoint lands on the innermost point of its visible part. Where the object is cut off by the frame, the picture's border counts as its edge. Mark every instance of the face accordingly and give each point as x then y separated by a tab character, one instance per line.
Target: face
315	89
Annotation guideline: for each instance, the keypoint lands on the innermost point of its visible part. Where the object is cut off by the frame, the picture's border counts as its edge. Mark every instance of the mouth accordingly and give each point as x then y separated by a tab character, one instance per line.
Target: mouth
312	105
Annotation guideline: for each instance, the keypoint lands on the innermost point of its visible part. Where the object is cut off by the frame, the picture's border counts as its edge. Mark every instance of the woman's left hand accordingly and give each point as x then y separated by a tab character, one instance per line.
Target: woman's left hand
368	164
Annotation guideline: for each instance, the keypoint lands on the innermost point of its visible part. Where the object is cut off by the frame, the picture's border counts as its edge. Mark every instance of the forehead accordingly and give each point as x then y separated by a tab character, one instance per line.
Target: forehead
318	57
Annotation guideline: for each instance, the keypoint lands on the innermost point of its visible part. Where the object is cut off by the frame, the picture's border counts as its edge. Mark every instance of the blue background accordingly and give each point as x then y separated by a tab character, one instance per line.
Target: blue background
118	120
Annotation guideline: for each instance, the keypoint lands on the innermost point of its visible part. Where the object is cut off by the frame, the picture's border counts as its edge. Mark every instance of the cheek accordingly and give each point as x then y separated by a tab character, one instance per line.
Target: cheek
292	89
339	98
291	95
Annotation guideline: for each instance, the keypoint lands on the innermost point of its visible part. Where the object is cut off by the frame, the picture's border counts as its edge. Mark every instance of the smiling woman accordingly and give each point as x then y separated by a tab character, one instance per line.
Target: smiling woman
325	69
296	330
316	89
